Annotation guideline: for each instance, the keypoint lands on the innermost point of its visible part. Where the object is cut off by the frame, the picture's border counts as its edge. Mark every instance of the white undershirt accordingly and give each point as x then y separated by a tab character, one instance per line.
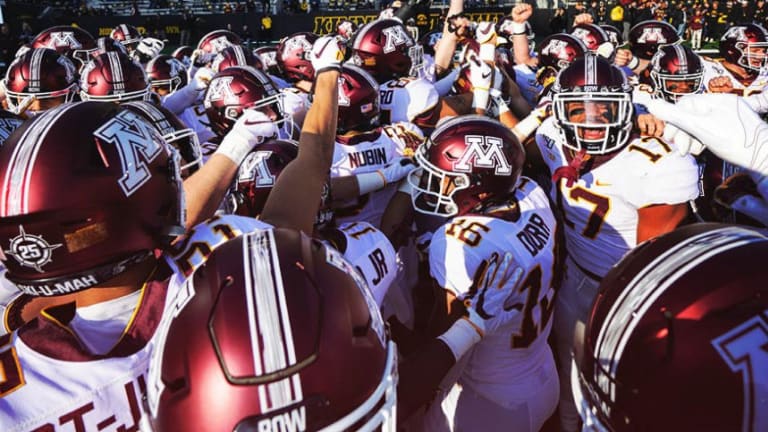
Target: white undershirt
100	326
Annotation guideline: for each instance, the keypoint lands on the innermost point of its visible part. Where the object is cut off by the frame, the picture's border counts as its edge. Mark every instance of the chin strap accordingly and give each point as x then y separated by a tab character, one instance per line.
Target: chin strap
79	281
570	172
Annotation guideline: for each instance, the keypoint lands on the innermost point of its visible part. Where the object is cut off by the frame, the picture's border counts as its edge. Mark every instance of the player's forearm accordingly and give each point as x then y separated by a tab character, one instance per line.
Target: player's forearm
319	129
447	45
520	49
205	189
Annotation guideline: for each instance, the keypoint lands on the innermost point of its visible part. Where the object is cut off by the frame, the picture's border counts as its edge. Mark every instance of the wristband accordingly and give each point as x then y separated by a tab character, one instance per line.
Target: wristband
480	98
518	28
235	147
633	63
460	337
369	182
527	125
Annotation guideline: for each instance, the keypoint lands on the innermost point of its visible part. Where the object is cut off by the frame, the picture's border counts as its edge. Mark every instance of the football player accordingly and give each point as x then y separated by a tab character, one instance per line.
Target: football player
496	255
614	189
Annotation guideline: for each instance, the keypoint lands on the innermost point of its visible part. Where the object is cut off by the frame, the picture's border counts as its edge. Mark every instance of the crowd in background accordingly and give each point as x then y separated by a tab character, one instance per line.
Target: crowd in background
696	20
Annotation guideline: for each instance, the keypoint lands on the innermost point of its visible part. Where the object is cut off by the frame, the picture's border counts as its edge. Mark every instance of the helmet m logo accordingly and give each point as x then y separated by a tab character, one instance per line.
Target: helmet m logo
483	152
652	34
557	48
219	44
221	89
394	37
61	39
137	143
254	168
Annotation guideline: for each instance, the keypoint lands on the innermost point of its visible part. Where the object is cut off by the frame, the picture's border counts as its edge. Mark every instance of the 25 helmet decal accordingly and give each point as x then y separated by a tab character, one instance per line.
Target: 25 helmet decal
31	250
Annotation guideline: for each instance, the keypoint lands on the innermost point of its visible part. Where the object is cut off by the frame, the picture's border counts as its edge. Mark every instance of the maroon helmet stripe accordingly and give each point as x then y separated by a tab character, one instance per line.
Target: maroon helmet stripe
270	326
15	198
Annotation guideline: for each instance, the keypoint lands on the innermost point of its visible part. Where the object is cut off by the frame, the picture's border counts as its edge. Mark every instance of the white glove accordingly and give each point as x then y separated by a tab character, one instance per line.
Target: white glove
485	32
327	53
392	173
481	77
251	129
200	58
486	306
605	50
398	169
150	47
202	78
724	123
684	142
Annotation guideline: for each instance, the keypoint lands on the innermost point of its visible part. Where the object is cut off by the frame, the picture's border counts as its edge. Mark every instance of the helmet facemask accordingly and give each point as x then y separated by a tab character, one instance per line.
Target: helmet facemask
674	86
599	122
753	55
434	188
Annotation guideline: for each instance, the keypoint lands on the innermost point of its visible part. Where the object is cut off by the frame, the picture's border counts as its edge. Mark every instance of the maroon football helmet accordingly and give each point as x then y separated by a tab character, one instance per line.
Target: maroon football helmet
235	55
677	334
113	77
745	45
42	74
101	194
257	175
478	158
358	100
676	71
277	321
214	43
268	56
72	42
647	36
106	44
166	73
429	40
559	50
235	89
184	55
174	132
592	105
293	56
615	37
386	50
128	35
591	34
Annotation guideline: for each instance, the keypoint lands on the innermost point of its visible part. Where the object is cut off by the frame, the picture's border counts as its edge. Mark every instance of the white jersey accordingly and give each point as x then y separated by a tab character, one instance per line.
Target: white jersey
367	153
600	210
500	365
714	69
51	382
370	252
525	77
405	99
